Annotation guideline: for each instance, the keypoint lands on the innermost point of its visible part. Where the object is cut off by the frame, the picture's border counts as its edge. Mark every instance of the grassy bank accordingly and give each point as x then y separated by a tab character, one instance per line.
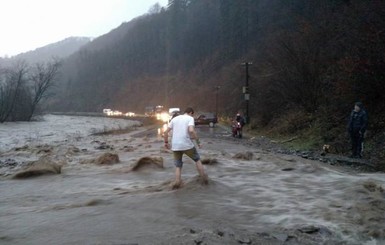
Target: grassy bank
306	134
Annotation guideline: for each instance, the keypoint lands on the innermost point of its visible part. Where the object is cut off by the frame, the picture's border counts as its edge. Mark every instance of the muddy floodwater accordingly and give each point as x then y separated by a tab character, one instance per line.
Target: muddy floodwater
253	196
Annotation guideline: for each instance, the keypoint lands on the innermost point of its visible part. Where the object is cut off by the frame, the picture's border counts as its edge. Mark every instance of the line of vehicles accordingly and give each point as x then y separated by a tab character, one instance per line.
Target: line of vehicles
202	118
161	114
164	115
110	112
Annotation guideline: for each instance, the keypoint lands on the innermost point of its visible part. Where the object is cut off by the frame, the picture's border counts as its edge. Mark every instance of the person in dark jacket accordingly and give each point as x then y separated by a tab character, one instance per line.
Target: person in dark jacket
237	125
358	123
240	119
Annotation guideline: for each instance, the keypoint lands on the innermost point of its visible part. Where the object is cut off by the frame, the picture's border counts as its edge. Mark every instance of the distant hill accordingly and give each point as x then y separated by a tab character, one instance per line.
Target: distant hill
61	49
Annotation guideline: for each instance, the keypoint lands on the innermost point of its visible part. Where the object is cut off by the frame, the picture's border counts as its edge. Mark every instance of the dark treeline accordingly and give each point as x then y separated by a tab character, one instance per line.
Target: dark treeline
311	61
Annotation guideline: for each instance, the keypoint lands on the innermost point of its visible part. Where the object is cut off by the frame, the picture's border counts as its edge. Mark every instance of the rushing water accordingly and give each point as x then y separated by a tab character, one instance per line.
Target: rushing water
89	204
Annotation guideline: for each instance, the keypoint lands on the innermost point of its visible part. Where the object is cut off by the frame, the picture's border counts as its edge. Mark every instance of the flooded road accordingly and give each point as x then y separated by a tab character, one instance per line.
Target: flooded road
268	199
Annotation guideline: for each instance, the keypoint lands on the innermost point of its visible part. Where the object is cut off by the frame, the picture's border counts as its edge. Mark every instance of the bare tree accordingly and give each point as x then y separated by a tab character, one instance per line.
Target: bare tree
22	88
12	81
42	78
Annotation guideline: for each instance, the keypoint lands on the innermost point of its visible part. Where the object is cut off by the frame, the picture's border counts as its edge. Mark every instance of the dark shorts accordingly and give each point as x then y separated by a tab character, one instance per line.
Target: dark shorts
191	153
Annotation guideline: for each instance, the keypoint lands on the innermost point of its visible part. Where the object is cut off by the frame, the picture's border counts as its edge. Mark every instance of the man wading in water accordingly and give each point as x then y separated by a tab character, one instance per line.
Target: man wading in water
183	133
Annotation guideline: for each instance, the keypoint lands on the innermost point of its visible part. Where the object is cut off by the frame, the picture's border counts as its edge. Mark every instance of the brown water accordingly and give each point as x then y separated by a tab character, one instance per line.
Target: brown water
89	204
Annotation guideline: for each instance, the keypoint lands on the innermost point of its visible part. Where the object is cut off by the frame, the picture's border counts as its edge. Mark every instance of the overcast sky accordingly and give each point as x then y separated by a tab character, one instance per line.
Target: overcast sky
29	24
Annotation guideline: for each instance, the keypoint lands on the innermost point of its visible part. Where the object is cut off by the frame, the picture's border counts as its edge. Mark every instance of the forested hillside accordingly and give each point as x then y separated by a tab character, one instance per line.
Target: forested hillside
311	61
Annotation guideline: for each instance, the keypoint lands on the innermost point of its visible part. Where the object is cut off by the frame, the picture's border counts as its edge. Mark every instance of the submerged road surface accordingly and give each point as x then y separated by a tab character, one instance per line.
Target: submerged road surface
253	196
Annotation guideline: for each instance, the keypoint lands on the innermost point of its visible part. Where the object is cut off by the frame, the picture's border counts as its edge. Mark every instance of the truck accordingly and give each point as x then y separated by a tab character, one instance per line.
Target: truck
149	111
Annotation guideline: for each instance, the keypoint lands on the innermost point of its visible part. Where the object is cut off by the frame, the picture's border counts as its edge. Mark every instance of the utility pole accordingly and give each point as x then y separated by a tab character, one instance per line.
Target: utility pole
245	91
216	99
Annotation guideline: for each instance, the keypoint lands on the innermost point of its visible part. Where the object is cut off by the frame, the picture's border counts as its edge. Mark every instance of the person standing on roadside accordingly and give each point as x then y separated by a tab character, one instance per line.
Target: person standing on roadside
183	132
358	123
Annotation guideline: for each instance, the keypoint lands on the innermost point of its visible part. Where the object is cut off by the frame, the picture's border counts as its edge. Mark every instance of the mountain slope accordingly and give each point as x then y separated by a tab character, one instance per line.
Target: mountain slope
61	49
314	56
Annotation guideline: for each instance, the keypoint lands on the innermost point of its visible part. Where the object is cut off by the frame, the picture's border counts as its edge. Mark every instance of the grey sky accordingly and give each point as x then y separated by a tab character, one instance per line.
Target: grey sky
29	24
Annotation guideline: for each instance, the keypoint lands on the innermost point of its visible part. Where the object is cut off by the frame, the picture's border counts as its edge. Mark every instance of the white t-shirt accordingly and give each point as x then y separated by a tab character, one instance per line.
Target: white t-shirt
181	140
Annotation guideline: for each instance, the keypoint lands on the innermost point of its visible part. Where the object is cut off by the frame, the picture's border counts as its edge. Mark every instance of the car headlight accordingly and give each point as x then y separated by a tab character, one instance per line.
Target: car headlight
164	117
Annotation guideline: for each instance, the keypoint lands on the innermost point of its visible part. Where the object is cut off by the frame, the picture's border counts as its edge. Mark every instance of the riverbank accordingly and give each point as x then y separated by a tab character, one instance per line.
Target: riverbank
285	145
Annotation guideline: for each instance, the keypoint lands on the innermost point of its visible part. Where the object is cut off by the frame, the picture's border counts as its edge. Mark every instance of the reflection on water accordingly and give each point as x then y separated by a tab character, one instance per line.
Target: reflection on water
162	130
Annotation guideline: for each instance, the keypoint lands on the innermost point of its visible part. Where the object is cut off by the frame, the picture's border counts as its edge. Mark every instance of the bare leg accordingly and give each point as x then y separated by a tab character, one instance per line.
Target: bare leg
178	178
201	172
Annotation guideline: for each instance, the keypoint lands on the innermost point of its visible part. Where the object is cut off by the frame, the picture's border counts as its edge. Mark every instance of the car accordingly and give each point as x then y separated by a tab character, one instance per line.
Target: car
130	114
206	118
106	111
171	111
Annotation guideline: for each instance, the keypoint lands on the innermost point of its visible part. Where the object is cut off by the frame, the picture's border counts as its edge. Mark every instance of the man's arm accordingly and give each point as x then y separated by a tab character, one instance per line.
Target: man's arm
193	134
